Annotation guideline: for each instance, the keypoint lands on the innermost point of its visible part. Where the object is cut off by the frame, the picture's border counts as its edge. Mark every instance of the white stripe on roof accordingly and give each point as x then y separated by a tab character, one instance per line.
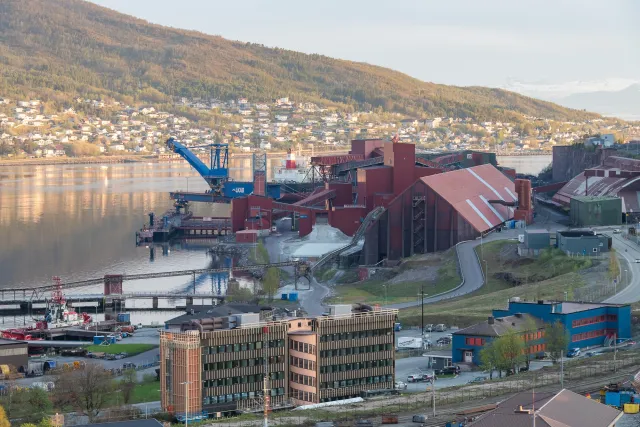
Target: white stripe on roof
511	194
492	208
484	218
485	183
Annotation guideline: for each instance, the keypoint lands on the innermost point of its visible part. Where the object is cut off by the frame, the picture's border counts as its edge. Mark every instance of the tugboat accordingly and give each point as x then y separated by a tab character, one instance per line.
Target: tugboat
57	315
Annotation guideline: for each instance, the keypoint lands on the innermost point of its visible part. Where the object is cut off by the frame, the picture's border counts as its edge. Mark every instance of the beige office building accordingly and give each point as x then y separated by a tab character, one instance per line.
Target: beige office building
307	360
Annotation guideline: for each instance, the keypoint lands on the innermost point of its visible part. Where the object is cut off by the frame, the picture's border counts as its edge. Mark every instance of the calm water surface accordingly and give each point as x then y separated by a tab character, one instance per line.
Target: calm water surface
79	222
530	165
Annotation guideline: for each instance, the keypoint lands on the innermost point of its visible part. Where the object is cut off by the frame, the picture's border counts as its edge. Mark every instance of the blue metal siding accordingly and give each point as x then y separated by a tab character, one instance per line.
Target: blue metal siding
624	321
459	345
237	189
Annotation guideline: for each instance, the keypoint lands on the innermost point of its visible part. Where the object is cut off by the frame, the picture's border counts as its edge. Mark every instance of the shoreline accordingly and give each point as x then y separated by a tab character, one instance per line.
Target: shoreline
156	159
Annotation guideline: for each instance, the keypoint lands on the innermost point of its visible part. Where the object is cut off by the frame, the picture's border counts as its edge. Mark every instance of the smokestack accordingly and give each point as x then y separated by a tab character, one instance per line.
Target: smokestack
491	320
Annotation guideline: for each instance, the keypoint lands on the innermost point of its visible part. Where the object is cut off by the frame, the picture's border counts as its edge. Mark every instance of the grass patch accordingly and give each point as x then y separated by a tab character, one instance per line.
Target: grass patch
131	349
146	392
381	291
349	276
546	277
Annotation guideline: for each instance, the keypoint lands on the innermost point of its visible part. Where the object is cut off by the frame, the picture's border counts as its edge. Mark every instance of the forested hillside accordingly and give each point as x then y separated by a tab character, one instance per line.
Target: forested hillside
66	48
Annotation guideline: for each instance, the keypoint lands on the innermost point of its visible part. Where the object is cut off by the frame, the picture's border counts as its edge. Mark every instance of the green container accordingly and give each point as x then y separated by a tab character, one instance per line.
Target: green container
590	211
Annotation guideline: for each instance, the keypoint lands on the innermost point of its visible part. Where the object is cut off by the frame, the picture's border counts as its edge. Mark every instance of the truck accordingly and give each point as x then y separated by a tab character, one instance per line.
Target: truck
410	343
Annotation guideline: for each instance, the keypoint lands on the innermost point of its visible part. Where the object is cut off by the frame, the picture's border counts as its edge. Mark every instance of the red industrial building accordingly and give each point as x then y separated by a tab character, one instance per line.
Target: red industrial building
436	212
616	176
430	206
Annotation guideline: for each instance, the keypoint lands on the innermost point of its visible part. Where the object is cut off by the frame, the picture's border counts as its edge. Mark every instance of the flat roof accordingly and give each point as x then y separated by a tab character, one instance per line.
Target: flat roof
568	307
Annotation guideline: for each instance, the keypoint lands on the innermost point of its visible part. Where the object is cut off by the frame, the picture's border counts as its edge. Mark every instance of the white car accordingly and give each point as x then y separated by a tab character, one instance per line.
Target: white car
401	385
616	231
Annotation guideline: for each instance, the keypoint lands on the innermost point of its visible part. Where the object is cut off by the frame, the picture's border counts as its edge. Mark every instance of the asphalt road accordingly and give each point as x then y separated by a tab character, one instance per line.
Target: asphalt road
471	271
630	251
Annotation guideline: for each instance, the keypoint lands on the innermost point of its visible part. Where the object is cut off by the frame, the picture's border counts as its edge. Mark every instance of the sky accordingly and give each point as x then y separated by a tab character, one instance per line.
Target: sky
525	44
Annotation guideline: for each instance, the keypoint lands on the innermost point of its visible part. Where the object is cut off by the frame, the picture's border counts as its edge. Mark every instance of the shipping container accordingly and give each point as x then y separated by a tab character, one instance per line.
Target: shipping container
124	318
389	419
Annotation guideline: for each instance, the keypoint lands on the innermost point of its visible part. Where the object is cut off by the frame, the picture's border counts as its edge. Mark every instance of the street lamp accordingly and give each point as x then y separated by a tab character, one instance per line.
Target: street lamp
186	402
625	276
486	272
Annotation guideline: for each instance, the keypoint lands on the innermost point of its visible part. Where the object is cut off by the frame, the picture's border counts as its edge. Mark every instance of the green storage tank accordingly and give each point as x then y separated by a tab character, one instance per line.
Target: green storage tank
587	211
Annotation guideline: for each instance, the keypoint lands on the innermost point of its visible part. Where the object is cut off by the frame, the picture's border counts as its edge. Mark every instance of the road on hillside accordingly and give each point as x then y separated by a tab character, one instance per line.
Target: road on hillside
630	251
471	271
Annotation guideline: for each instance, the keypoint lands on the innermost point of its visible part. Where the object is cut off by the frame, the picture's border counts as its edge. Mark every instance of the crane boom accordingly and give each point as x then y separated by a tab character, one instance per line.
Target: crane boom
217	173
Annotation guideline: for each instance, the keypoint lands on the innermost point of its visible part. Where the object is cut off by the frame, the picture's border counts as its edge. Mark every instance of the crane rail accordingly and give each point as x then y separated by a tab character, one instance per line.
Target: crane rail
101	280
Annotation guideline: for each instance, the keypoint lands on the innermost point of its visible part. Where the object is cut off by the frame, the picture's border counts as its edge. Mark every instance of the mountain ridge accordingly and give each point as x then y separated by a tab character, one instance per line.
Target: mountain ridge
73	47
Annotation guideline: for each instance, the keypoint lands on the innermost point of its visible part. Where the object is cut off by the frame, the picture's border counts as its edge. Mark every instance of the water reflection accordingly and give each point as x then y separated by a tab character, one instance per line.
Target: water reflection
78	221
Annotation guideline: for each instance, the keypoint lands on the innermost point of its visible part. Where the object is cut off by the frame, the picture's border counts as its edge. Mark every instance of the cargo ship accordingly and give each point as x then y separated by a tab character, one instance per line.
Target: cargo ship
57	315
290	171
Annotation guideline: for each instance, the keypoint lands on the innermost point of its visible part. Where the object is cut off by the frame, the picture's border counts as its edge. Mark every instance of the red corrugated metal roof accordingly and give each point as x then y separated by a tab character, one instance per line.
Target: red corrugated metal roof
470	190
610	185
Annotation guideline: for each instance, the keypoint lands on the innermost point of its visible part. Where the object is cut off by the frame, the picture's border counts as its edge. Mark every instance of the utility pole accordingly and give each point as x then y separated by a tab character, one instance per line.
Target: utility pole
615	351
433	393
561	369
422	295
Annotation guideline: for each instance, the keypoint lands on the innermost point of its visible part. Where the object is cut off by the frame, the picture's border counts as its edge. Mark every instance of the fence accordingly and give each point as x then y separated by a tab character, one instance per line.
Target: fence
604	369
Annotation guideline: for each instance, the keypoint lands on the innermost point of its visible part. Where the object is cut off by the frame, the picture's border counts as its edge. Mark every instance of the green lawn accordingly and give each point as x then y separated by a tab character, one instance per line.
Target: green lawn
546	277
146	392
378	291
131	349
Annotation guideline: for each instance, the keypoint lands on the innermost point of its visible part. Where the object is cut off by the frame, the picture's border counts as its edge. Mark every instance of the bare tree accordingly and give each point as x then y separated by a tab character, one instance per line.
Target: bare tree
87	390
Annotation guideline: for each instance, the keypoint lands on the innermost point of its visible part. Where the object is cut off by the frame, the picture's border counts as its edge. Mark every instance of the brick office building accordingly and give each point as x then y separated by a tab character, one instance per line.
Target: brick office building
307	360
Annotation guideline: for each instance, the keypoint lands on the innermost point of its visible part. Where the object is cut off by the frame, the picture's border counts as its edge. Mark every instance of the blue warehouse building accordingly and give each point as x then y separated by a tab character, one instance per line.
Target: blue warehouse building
588	325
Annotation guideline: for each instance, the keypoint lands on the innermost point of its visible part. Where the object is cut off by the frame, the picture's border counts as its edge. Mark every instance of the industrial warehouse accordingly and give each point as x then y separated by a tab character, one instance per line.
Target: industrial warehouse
400	202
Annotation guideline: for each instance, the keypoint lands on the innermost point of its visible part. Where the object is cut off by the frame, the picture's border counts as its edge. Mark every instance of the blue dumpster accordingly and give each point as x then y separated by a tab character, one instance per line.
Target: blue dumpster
293	296
284	297
612	398
98	339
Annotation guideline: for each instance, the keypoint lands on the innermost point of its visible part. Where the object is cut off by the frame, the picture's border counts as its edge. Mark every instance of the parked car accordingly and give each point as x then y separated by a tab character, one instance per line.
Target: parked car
414	378
477	380
449	370
400	385
590	353
574	352
429	327
429	377
441	327
128	365
616	231
420	418
364	423
444	341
